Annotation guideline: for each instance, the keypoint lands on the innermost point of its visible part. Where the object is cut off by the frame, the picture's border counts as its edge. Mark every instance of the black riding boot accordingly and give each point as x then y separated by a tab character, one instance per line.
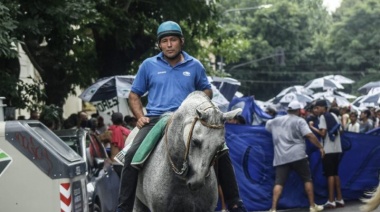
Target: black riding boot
227	180
127	192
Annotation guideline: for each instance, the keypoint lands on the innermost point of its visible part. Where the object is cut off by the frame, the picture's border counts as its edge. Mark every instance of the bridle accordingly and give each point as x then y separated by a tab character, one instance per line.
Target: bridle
185	165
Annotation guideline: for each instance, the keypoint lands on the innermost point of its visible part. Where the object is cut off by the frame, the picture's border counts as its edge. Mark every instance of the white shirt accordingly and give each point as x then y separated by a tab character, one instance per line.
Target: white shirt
328	145
353	127
288	138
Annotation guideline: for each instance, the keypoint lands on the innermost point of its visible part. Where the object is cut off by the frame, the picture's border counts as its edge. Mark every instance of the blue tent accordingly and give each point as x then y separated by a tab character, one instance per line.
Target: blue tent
251	152
252	113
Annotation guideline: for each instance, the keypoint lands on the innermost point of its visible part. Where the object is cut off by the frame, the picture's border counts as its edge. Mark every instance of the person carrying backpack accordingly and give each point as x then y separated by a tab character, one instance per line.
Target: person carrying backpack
329	129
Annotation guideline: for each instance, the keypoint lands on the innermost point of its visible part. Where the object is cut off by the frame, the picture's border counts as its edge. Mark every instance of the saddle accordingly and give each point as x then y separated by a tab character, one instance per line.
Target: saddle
149	142
146	147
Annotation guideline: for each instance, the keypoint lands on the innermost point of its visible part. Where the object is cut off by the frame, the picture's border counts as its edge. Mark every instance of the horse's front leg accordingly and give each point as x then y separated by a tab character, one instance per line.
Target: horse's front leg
139	206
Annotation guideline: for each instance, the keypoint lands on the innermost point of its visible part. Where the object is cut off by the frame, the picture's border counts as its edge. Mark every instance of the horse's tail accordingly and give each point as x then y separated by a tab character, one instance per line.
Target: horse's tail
373	202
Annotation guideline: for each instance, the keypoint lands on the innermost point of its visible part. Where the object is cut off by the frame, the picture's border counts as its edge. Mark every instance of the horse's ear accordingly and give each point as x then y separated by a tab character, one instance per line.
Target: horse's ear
231	114
201	114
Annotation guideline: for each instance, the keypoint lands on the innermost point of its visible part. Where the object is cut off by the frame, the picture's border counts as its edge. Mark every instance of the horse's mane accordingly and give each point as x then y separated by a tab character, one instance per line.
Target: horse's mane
196	93
199	100
196	98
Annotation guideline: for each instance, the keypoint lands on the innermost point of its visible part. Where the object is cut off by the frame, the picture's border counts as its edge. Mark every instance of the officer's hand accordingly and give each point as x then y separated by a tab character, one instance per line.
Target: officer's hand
142	121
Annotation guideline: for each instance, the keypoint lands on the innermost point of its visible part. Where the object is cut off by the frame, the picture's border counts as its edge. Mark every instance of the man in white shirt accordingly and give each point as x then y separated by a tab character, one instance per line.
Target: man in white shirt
288	133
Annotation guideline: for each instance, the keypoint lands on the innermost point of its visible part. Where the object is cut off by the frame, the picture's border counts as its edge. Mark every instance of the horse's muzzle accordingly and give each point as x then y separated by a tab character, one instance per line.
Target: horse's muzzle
194	186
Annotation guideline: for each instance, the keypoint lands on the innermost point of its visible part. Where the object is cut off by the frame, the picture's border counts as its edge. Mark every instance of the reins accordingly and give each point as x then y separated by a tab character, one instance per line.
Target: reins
184	167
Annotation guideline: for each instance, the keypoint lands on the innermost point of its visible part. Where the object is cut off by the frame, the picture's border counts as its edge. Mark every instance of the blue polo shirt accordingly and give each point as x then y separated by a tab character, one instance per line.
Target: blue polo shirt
168	86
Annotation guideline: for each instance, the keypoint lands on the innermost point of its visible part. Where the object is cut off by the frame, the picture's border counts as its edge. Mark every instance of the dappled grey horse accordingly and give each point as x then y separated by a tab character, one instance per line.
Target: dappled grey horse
179	176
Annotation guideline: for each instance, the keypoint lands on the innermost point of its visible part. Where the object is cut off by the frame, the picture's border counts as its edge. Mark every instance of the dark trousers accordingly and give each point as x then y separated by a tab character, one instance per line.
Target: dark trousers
129	175
227	180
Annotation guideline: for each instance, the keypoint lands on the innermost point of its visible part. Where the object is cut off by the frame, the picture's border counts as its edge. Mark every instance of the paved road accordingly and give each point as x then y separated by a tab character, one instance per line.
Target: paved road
352	206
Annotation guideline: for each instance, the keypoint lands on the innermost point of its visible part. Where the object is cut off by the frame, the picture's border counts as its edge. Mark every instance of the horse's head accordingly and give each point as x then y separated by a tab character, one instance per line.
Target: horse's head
204	137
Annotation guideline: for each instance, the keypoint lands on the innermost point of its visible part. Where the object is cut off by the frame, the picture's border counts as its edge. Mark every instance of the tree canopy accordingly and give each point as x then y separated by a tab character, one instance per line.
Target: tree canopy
354	41
74	42
282	40
267	45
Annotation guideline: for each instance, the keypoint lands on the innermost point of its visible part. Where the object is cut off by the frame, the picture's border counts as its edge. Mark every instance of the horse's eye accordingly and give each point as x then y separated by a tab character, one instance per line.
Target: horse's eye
196	143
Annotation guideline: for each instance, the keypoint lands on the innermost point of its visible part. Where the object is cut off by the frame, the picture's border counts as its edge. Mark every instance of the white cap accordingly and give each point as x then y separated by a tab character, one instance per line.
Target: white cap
294	105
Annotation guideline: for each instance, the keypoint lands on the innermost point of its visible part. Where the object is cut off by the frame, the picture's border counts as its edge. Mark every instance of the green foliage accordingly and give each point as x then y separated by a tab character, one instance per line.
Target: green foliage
7	26
22	95
32	96
7	81
270	27
354	41
51	116
59	48
125	31
74	42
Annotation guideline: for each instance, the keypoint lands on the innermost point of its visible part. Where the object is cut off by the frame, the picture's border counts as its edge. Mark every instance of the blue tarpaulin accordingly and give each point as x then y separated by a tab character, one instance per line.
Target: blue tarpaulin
251	152
252	113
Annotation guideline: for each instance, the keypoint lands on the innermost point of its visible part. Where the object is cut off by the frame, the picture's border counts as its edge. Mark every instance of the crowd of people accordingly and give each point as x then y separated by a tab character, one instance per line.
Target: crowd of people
357	121
322	123
351	120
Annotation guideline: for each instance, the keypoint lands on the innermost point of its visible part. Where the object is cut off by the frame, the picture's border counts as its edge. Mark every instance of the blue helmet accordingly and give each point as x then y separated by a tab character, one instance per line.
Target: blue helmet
168	28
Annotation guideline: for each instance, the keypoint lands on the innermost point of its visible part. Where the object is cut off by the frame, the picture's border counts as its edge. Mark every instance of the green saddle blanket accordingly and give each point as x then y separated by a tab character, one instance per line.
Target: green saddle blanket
149	142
